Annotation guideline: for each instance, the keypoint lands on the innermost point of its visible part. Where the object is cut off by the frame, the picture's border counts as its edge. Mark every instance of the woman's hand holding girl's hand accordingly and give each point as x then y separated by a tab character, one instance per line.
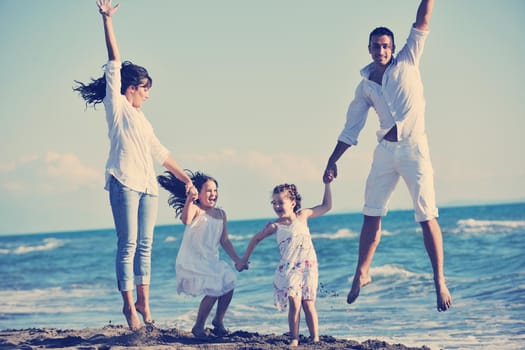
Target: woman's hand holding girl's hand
191	190
192	196
105	8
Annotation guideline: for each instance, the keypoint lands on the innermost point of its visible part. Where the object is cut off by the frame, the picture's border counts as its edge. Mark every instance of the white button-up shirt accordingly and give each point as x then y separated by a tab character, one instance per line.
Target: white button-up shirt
133	144
398	101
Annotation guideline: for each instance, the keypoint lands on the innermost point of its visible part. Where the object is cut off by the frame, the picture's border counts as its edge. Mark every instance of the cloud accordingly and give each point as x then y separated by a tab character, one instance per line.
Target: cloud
275	167
247	176
67	167
47	173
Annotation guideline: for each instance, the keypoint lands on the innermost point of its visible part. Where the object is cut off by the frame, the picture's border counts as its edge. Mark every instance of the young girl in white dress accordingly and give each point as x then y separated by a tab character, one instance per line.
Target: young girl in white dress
296	276
199	271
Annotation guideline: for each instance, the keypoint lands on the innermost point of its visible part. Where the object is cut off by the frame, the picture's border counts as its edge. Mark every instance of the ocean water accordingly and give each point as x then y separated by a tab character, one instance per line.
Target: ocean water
66	280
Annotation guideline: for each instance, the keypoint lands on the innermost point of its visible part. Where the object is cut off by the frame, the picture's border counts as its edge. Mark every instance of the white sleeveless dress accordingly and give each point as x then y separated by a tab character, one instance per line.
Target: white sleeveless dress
297	273
199	271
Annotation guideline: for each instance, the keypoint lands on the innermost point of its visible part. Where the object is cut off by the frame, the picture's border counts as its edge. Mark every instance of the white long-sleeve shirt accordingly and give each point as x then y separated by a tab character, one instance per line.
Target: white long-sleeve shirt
133	144
399	100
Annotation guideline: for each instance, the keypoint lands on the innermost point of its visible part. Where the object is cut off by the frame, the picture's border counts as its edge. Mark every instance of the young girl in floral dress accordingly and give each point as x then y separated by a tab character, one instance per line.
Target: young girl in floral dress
296	276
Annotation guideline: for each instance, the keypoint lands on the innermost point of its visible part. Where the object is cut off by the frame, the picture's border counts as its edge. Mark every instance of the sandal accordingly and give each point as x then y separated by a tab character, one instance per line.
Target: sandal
199	333
219	330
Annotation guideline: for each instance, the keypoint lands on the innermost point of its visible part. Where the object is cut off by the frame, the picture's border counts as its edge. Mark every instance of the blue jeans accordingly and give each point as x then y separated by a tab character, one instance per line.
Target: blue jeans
134	214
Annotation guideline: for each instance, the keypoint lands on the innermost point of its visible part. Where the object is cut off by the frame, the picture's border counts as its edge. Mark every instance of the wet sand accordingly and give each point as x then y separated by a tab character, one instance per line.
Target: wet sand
117	337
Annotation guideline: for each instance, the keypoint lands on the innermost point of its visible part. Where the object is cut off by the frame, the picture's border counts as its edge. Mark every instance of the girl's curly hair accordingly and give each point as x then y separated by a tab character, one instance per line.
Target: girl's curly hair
291	189
177	188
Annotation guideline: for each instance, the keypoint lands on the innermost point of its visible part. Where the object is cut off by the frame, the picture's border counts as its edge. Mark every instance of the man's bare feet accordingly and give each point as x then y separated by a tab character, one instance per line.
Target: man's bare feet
444	299
132	318
357	284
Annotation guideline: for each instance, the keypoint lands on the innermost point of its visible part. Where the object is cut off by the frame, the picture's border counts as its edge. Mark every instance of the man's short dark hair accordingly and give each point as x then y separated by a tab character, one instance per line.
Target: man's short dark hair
381	31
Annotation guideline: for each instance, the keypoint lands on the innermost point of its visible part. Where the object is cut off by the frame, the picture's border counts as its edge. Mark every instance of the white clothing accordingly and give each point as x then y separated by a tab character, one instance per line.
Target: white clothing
297	273
409	159
133	144
198	267
399	100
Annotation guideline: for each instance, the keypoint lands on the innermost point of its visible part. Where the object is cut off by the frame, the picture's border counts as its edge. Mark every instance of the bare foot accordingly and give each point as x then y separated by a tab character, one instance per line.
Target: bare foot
444	299
294	343
132	318
357	284
145	313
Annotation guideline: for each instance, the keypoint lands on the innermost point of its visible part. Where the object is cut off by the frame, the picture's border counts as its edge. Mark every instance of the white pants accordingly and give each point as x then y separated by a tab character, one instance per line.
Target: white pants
409	159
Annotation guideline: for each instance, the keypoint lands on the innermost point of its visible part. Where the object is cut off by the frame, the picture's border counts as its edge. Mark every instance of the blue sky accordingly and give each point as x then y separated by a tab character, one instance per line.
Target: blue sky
255	94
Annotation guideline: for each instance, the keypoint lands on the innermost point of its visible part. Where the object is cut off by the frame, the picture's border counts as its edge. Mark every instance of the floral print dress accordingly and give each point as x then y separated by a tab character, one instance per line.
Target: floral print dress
297	273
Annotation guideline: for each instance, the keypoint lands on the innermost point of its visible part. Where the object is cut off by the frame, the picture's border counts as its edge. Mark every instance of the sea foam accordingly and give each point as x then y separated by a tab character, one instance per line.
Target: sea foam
46	244
341	233
474	226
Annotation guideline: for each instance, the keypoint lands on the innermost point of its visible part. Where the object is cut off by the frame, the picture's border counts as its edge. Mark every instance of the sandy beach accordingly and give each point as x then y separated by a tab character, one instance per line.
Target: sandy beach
118	337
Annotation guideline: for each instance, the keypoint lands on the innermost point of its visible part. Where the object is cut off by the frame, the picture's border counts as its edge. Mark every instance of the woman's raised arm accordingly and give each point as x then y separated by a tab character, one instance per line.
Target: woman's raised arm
107	11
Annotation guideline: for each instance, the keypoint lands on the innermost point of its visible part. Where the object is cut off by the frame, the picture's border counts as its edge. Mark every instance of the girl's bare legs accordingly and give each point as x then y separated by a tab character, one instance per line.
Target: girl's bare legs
368	242
142	304
129	310
204	310
310	314
222	307
294	315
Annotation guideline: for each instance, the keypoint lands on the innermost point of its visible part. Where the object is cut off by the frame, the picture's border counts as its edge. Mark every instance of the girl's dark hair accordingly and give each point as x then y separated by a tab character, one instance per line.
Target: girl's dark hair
177	188
130	75
292	194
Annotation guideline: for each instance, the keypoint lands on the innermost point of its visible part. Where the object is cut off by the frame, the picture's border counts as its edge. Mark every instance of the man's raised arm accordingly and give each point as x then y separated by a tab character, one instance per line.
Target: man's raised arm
424	11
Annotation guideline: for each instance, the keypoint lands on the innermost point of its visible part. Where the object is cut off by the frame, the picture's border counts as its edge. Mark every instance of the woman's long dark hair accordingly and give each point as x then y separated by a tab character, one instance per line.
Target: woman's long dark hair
177	188
130	75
